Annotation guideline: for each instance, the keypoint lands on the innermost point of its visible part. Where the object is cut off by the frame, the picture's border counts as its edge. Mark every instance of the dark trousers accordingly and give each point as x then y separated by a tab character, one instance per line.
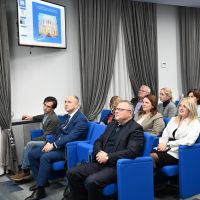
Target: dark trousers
41	162
86	181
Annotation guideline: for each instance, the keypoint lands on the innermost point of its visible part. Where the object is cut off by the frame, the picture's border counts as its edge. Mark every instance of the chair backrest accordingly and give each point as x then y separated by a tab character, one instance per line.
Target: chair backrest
36	133
97	131
104	113
91	126
176	102
166	120
148	144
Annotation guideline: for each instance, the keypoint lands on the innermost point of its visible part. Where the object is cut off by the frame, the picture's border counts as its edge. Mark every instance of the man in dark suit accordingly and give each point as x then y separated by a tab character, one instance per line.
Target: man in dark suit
122	138
137	101
74	128
50	124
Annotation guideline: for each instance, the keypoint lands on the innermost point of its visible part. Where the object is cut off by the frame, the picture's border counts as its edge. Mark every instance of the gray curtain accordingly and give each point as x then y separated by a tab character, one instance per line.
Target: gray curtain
8	145
140	34
98	28
190	47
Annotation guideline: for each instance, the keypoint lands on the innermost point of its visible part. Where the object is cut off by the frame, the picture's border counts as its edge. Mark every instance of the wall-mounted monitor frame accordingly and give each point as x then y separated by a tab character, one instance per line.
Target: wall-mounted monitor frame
41	23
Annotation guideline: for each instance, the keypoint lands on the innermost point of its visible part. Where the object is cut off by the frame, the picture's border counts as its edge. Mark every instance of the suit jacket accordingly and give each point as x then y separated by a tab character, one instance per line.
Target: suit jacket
169	111
154	124
50	125
186	134
128	144
76	129
134	101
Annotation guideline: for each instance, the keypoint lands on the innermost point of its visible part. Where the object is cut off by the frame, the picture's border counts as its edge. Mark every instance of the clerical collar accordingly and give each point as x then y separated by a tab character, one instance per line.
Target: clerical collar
122	125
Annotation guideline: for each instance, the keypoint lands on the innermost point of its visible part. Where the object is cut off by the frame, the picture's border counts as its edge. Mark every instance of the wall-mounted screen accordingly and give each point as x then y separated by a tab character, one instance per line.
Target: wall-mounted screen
41	23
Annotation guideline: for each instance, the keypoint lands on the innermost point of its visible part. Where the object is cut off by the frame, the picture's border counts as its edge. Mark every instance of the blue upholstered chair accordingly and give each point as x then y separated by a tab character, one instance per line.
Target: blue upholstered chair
58	168
166	120
135	176
187	170
78	152
104	114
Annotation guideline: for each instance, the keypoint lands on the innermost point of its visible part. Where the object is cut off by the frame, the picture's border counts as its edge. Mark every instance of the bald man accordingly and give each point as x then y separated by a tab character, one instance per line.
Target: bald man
74	128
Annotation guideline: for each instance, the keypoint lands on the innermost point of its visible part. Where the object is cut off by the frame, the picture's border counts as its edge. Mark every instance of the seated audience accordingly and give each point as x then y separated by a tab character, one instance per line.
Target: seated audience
167	108
195	95
137	102
122	138
113	104
74	128
50	123
148	117
181	130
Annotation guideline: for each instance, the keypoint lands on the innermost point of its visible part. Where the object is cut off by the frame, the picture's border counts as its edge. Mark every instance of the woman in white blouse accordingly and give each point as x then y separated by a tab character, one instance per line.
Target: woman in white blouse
181	130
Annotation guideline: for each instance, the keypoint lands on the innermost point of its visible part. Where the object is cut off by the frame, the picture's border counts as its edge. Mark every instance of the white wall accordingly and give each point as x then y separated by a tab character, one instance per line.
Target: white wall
56	72
168	49
44	71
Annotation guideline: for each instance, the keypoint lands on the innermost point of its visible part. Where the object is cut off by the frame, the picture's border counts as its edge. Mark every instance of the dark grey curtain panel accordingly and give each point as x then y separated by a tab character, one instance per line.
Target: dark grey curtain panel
190	47
140	35
98	28
8	145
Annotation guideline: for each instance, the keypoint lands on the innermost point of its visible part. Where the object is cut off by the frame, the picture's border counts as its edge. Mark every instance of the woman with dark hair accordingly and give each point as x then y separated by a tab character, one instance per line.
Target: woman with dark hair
194	94
148	117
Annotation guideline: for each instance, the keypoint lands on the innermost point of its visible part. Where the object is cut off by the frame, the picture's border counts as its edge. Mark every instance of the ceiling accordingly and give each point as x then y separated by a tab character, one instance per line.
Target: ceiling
189	3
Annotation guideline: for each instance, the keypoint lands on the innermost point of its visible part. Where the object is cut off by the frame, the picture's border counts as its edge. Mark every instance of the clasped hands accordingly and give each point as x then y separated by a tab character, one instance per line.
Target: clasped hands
47	147
162	147
101	157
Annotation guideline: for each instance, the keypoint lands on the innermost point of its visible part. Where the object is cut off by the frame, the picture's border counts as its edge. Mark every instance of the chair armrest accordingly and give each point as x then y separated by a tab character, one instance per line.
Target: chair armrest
135	178
71	153
189	170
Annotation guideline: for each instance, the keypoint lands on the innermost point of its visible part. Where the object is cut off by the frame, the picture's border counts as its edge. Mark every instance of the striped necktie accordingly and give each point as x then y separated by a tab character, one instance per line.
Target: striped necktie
66	122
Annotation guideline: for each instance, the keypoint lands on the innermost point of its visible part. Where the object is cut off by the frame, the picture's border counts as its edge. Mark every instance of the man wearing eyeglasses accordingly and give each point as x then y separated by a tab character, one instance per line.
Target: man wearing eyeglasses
74	128
137	102
50	123
122	138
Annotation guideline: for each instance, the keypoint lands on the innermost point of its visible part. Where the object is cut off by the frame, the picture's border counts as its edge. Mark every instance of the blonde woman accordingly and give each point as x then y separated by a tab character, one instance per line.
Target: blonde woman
148	117
181	130
167	108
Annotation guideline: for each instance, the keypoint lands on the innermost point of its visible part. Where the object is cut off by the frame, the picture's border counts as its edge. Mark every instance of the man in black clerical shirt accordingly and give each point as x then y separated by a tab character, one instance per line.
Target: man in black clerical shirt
122	138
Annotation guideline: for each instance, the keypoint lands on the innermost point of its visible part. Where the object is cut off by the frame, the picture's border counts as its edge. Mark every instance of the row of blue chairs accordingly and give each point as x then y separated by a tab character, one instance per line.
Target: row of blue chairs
135	176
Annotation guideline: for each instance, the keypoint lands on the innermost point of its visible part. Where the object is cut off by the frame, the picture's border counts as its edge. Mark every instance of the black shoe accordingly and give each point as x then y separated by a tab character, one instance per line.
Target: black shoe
37	194
33	187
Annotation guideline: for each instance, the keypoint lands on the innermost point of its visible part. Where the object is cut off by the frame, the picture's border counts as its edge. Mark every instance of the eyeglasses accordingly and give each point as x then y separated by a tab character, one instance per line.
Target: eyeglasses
121	109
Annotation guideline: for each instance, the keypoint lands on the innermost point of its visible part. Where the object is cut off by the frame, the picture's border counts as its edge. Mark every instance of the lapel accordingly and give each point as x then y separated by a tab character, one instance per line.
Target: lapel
72	119
125	130
109	133
47	120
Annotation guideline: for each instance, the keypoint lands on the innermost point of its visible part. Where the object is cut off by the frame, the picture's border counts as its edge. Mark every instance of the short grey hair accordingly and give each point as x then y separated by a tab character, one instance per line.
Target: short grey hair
129	103
147	88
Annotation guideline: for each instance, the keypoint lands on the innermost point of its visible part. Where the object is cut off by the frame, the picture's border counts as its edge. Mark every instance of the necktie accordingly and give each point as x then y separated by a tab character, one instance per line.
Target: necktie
66	122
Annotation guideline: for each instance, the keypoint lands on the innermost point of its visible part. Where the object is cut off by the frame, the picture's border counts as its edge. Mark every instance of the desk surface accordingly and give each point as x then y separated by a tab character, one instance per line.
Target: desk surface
16	122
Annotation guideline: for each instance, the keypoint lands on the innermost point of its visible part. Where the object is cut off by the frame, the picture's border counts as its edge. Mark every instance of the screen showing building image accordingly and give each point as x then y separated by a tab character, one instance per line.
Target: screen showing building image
41	24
